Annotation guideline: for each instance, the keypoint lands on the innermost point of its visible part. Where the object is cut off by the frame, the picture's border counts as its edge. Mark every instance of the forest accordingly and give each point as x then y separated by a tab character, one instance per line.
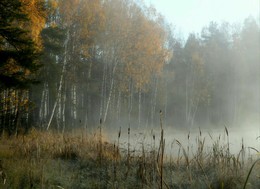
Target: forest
68	64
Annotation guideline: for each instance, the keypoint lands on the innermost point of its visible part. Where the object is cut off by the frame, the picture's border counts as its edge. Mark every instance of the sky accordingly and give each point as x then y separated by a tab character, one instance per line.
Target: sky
188	16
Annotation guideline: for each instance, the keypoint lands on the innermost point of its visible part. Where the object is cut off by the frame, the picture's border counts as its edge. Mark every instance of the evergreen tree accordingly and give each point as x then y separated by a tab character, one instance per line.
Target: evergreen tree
18	55
21	21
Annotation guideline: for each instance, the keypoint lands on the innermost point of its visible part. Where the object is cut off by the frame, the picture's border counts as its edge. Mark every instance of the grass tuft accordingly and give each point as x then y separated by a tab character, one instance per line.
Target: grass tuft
83	160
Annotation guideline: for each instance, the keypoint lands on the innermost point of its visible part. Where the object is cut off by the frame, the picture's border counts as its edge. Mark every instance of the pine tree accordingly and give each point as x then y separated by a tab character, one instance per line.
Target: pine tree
18	54
21	22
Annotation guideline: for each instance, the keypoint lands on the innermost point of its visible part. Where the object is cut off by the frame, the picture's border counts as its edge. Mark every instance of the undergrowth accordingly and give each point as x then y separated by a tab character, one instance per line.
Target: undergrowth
81	161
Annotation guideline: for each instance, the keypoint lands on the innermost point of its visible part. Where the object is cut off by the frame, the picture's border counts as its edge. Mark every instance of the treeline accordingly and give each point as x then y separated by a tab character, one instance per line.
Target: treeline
214	78
73	63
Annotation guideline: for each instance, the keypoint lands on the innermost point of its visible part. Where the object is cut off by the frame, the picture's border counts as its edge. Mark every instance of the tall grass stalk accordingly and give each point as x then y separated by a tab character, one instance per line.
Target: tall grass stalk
128	150
160	157
249	173
228	147
116	156
154	162
49	159
100	143
160	152
100	153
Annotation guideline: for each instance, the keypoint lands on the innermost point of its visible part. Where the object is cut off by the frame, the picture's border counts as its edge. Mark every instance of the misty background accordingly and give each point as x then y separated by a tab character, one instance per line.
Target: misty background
121	63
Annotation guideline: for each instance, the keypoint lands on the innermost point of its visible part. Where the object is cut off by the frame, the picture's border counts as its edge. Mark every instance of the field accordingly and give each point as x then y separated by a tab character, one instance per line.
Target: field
78	159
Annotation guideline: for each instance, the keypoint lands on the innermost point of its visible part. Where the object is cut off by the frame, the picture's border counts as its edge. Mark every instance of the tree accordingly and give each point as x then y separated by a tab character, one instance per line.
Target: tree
245	62
19	53
81	21
133	52
216	43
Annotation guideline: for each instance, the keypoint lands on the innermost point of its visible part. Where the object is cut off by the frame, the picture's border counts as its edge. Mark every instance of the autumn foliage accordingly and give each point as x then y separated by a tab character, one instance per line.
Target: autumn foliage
118	61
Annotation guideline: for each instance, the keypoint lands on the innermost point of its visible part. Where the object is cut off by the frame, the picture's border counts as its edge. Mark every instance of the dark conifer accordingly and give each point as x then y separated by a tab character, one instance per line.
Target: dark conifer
18	55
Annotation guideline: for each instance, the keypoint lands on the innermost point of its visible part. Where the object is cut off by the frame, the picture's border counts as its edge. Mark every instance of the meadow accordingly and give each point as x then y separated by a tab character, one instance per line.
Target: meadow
126	159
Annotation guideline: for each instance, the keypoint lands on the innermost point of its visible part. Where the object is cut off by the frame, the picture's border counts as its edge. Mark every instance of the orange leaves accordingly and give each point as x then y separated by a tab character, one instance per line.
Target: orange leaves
12	68
87	14
136	38
53	4
84	19
149	53
37	18
91	18
68	10
127	36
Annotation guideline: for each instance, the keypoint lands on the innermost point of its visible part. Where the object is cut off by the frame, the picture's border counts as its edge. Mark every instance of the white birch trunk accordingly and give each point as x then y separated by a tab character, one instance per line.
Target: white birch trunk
130	104
110	92
118	105
153	102
139	107
108	101
61	81
63	111
102	101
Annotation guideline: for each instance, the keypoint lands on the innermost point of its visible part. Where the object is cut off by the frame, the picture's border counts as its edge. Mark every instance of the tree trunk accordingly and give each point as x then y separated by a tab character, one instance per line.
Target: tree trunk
61	80
110	92
153	103
130	101
118	107
103	92
139	107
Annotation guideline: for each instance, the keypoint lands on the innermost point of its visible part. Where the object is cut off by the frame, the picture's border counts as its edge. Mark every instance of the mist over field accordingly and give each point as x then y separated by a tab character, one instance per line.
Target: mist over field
237	137
107	94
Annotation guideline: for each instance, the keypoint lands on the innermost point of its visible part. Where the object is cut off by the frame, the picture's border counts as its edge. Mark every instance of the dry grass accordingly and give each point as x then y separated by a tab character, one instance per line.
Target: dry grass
80	160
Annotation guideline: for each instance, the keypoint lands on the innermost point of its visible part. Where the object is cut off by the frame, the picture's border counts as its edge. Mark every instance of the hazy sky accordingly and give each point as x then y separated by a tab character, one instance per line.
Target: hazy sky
191	15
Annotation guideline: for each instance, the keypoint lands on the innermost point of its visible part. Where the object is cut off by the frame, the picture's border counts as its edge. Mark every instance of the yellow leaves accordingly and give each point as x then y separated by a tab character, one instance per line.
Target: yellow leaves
68	10
34	10
149	52
10	68
86	13
53	4
91	17
51	8
84	19
137	39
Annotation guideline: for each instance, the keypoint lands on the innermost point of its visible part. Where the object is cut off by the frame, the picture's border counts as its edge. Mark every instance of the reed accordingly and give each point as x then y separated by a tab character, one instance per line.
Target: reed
90	160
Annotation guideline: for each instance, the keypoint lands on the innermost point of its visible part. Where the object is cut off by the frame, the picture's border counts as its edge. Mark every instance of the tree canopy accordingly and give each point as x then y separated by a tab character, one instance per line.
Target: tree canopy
120	62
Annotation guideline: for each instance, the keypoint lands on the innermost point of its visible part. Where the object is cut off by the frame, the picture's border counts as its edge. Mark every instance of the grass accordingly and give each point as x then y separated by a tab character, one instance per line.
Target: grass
79	160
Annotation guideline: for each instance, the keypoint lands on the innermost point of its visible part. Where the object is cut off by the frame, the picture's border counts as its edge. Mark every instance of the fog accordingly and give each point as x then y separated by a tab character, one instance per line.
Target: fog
107	94
210	83
238	140
126	67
